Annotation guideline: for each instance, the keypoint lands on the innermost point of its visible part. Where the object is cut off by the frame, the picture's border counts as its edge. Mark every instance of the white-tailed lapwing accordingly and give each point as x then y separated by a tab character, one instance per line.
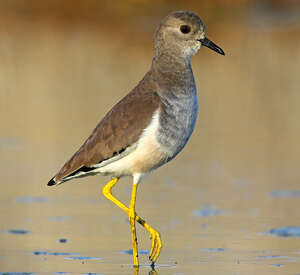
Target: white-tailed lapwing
151	124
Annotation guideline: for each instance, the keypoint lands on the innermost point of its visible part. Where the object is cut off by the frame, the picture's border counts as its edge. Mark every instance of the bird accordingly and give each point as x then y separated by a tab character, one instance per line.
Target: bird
150	125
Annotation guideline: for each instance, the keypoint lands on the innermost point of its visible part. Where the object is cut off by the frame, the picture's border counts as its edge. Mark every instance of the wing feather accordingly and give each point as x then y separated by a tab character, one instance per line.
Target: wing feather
120	128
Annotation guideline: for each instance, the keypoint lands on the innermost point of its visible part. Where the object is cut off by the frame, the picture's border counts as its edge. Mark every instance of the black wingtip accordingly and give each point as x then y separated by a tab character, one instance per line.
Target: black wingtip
51	182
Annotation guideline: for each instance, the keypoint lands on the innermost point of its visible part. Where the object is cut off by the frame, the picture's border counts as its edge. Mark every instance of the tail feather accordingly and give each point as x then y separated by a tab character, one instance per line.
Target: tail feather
51	182
79	173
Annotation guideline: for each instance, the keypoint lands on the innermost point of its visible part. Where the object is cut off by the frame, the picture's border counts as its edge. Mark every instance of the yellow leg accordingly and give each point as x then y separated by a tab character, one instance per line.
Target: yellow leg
131	217
154	235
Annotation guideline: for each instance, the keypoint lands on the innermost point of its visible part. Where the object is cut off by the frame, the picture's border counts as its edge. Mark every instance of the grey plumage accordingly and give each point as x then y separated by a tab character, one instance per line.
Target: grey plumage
179	104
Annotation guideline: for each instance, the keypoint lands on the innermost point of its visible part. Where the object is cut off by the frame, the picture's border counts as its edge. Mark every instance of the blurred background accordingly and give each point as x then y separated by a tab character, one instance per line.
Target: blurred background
64	64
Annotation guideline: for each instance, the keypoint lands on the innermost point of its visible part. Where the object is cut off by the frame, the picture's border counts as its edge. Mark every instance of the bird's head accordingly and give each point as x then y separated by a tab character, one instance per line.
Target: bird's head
183	32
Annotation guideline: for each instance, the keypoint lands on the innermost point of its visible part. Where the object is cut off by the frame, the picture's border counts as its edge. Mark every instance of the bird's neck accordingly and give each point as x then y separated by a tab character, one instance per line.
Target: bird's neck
173	70
172	59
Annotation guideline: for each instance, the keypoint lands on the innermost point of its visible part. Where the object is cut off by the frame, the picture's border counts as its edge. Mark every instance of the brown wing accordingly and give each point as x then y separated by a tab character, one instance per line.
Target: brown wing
121	127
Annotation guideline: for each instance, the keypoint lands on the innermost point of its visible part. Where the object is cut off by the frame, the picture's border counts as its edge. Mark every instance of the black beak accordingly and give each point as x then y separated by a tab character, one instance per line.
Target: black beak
209	44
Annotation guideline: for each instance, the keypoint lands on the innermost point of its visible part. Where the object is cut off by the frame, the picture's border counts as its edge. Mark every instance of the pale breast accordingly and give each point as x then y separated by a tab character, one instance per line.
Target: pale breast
148	155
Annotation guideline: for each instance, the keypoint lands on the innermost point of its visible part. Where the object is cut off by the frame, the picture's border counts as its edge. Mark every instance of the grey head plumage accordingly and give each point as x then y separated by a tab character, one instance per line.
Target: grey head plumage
183	34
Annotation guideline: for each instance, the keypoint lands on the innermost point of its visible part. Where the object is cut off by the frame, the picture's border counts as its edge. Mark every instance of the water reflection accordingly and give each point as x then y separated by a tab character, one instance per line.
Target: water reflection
151	272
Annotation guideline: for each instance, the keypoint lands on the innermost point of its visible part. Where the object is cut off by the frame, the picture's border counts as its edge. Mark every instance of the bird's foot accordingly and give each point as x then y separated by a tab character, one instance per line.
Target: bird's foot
155	246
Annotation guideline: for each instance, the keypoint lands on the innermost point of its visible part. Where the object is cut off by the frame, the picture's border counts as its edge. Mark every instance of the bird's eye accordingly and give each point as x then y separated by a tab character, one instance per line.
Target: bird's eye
185	29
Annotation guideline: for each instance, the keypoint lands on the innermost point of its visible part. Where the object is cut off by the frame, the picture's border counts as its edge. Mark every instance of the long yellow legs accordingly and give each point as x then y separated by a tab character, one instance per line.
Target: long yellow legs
131	217
154	235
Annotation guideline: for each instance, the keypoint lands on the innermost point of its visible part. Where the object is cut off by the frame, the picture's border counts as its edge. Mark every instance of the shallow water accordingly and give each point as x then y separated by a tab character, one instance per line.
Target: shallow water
76	231
228	204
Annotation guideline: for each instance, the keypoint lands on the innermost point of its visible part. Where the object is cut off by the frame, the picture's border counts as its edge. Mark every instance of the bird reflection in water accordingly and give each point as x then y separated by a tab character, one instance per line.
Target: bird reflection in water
151	272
